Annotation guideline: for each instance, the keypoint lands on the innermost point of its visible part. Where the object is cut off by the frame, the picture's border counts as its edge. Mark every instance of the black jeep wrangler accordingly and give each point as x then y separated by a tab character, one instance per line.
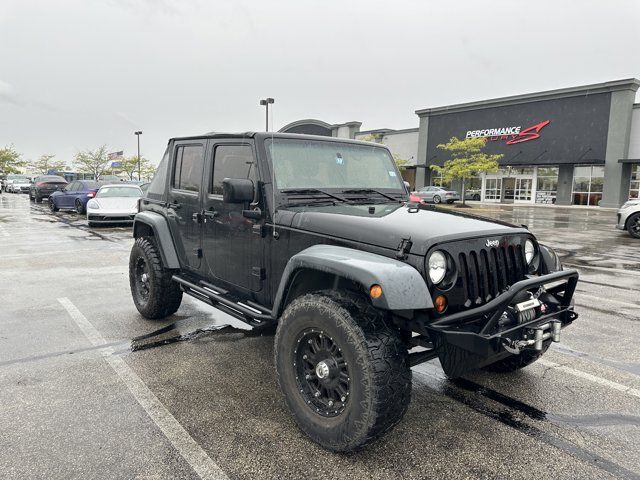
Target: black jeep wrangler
317	236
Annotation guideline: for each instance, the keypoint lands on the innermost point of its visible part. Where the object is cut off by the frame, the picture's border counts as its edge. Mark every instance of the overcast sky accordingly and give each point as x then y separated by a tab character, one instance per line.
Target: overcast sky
75	74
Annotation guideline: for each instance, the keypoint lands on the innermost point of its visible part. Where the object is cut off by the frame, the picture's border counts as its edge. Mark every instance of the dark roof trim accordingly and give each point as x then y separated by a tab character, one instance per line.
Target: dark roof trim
606	87
629	160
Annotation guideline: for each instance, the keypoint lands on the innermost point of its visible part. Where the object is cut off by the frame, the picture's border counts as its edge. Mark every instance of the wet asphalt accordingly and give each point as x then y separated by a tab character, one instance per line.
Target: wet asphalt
65	413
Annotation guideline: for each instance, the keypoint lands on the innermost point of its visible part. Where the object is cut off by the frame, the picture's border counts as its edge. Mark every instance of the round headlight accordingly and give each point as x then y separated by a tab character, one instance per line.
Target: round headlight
437	267
529	251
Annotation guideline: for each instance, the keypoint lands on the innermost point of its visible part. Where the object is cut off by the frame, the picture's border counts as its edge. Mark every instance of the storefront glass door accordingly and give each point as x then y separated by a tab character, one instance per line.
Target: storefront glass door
493	189
522	192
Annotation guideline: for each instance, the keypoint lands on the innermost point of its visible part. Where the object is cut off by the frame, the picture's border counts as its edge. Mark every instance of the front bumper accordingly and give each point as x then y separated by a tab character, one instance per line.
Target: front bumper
111	217
473	338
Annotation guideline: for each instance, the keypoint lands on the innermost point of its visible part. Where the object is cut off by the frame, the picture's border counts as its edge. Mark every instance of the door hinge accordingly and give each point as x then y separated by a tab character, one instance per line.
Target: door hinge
258	272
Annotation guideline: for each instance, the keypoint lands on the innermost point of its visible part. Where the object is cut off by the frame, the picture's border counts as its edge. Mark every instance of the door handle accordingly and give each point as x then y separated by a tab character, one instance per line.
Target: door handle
197	217
173	205
210	213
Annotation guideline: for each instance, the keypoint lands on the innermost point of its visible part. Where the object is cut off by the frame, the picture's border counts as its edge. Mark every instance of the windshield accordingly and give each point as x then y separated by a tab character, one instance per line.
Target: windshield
17	178
300	164
119	192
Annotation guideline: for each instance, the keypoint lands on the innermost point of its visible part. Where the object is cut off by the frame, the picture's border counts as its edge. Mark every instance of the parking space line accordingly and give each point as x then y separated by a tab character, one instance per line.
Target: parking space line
634	392
184	443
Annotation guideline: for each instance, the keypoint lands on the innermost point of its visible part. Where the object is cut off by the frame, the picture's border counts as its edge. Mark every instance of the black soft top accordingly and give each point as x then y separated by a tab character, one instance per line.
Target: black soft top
259	136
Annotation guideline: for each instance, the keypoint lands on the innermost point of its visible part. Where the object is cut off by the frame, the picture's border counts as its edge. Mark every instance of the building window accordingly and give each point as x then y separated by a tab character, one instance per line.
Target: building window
634	188
547	185
473	188
437	180
587	185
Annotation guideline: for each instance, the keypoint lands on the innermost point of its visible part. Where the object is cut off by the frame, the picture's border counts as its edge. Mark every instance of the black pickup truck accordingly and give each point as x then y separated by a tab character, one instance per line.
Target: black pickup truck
315	237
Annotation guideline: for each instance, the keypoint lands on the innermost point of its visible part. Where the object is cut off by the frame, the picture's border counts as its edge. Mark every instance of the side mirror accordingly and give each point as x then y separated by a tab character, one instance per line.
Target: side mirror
408	185
237	190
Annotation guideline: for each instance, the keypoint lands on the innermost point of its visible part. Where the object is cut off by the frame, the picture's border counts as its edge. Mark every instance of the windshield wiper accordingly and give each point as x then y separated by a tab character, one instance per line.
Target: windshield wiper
371	190
310	191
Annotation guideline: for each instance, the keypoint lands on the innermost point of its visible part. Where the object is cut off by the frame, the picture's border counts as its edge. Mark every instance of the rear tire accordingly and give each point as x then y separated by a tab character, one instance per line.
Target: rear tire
476	197
436	199
516	362
366	388
154	294
79	207
633	225
37	198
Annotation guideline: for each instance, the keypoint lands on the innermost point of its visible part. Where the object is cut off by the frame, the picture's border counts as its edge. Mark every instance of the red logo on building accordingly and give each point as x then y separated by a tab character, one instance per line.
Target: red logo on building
527	134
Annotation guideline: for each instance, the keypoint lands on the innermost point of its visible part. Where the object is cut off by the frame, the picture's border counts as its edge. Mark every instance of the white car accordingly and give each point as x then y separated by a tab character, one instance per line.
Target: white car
629	218
13	183
114	204
20	185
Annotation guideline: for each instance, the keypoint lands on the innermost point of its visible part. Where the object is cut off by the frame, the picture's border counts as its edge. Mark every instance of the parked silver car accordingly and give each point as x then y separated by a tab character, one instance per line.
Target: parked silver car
437	194
114	204
629	218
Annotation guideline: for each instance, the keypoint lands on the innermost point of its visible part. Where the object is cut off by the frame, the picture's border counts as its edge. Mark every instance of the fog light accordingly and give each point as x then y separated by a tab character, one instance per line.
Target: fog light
375	291
440	303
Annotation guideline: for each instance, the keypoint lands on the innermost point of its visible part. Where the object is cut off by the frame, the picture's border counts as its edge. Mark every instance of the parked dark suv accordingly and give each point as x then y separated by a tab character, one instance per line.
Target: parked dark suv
316	236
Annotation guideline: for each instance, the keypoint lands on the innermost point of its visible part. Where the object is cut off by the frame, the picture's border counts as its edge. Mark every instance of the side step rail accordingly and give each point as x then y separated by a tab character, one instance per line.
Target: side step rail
246	313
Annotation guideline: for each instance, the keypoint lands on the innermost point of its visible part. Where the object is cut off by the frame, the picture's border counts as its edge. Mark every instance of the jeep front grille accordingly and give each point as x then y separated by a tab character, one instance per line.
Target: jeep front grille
487	272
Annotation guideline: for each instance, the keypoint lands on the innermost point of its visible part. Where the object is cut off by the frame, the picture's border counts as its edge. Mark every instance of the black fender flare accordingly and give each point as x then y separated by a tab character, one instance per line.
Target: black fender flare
403	288
550	261
162	236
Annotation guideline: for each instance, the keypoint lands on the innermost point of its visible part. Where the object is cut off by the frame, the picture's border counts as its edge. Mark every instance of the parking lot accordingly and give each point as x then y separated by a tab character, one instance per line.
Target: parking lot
89	389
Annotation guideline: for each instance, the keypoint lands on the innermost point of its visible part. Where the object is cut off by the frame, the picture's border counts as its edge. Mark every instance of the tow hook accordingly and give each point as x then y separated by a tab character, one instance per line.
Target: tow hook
534	337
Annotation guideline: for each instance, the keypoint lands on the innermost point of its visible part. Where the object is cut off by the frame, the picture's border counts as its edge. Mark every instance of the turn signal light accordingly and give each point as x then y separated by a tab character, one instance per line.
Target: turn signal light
375	291
440	303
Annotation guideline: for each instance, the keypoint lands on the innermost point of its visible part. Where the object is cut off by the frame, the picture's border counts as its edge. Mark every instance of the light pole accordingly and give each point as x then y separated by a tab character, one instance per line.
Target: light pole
138	133
266	103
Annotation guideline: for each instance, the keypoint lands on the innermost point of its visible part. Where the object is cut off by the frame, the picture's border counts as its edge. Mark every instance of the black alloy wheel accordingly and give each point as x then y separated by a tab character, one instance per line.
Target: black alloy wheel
52	205
633	225
141	275
79	207
321	372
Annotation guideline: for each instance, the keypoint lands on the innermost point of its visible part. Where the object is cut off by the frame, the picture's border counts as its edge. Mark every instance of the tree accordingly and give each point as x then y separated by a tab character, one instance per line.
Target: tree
467	160
46	163
130	167
92	161
10	160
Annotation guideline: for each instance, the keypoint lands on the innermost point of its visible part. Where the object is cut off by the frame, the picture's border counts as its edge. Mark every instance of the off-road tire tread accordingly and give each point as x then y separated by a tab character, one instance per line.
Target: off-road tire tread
166	297
389	359
516	362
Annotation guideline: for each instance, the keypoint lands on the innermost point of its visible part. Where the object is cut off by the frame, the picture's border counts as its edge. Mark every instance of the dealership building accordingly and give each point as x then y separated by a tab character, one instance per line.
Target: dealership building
571	146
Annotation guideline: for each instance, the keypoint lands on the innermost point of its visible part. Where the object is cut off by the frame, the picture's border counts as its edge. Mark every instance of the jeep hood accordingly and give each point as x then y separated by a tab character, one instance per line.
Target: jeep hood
390	223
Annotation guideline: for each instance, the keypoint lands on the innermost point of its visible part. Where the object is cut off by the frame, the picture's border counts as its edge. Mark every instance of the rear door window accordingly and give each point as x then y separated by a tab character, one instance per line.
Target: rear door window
187	169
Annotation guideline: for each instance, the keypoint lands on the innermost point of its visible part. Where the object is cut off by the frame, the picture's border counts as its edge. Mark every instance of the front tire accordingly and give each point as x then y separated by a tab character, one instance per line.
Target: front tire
633	225
343	371
37	198
52	205
436	199
155	295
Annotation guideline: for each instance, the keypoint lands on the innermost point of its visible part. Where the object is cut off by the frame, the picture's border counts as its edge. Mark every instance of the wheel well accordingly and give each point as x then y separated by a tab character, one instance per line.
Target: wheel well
142	230
307	280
